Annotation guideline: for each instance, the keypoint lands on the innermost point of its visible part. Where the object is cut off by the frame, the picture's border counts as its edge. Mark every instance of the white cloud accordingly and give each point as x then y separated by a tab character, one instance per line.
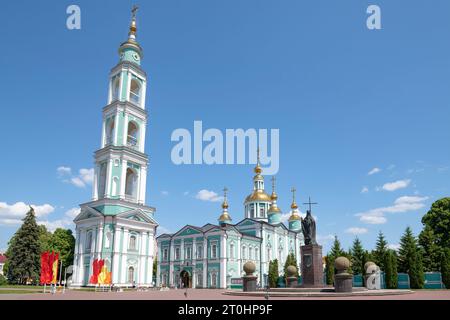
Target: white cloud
400	184
364	190
394	246
19	209
84	177
72	213
401	204
206	195
64	170
373	171
356	230
161	230
324	239
55	224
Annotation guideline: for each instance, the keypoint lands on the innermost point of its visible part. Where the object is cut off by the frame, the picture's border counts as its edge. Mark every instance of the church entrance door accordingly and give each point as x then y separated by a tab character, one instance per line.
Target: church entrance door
185	279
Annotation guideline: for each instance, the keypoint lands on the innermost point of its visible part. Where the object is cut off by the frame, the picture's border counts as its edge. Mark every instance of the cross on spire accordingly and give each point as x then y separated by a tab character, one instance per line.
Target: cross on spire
225	190
134	10
310	203
273	183
293	190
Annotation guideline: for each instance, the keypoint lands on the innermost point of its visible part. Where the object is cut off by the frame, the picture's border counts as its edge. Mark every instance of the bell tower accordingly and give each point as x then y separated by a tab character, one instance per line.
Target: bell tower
121	162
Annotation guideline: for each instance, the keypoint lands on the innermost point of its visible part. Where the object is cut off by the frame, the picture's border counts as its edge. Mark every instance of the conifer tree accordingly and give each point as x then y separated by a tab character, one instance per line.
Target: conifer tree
410	260
24	252
273	273
335	252
290	261
391	270
329	271
379	254
357	257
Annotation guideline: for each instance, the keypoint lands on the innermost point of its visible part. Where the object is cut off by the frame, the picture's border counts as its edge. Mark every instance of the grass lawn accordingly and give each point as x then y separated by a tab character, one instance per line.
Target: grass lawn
6	291
13	286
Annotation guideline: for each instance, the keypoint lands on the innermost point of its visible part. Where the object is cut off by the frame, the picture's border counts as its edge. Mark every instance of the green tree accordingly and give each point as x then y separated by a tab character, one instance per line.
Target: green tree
63	242
273	273
155	266
438	219
335	252
290	261
381	249
410	260
357	256
24	252
391	270
430	250
45	238
445	267
3	281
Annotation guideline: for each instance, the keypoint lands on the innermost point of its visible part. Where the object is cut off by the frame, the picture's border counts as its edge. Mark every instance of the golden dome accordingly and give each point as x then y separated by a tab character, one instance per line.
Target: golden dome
225	217
258	195
274	196
294	205
294	216
274	209
258	169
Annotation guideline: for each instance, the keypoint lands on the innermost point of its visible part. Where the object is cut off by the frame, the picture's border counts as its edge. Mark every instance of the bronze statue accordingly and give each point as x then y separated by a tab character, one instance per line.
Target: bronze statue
309	229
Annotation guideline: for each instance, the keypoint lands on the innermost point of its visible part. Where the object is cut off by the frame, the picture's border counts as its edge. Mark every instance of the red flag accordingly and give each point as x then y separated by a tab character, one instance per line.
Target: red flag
45	268
97	266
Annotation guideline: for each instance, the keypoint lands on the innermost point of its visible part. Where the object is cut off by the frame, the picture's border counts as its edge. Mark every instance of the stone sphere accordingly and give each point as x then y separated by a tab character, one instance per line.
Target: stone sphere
291	271
367	264
249	267
342	263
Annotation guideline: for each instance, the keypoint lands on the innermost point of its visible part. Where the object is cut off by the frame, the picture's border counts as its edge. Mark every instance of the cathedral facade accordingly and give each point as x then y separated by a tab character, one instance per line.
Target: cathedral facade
213	255
117	226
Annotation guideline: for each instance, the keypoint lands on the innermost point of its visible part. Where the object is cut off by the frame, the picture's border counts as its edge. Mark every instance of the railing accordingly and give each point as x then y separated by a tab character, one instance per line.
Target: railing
132	142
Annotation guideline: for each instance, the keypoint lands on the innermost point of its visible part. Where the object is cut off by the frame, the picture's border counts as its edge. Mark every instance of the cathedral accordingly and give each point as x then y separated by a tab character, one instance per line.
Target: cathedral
117	226
212	256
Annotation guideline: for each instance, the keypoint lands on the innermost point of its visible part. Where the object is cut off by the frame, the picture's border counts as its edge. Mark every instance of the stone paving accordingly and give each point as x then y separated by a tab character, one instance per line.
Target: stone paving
208	294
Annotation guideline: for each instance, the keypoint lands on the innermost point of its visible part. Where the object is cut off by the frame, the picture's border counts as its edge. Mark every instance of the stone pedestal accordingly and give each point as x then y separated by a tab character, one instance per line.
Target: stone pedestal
249	283
291	282
312	268
343	282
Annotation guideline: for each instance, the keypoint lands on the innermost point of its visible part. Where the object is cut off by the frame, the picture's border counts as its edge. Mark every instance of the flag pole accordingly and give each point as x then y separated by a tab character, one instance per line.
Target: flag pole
60	273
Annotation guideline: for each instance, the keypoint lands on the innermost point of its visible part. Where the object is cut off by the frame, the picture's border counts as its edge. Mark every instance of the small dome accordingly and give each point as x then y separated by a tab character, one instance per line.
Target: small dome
274	196
294	216
274	209
342	263
224	217
225	205
249	268
258	169
291	271
294	205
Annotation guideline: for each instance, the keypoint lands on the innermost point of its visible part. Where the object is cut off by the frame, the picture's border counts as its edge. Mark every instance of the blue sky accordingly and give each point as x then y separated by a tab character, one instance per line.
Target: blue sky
346	99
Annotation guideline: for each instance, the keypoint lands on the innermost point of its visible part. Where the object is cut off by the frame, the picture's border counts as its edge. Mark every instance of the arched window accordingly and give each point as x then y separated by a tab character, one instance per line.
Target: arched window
232	251
250	253
110	131
130	184
213	279
135	91
115	185
89	241
102	181
115	88
244	248
132	244
108	239
256	254
132	137
130	274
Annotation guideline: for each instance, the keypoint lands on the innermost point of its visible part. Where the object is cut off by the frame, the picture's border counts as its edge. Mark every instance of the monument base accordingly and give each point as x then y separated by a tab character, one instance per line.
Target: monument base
312	267
343	282
292	282
249	283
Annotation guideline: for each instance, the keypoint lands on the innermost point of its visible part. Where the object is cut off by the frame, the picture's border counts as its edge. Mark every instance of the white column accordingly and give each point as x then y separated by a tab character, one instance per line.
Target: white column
125	130
142	137
223	262
102	143
116	256
142	184
171	259
149	257
108	178
205	257
123	179
123	276
95	183
116	126
100	241
81	255
142	258
144	90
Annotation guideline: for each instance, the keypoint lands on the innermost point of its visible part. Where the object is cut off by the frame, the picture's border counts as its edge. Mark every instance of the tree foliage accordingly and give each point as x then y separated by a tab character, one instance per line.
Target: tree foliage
335	252
431	252
380	252
24	252
391	270
357	255
273	273
410	259
445	267
438	220
63	242
290	261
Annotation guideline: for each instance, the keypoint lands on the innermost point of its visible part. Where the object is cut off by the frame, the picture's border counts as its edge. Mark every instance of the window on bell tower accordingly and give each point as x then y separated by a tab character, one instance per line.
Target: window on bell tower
132	140
115	88
135	91
130	184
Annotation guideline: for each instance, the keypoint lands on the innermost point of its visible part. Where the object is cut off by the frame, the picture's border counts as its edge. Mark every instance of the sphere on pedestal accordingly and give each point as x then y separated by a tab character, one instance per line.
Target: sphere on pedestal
367	264
342	263
249	268
291	271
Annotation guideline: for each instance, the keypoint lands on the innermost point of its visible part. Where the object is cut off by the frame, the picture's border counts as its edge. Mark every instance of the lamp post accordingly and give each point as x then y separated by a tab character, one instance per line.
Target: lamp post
266	281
